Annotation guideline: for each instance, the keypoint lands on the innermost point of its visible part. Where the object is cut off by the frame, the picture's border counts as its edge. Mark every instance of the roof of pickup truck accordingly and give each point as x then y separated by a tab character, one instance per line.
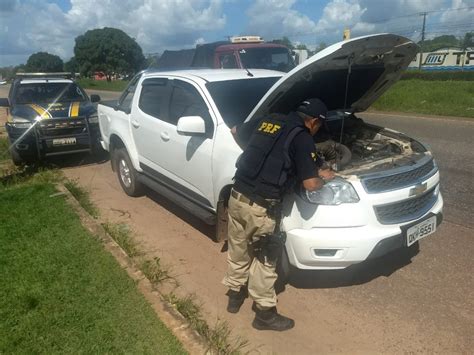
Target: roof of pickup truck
211	75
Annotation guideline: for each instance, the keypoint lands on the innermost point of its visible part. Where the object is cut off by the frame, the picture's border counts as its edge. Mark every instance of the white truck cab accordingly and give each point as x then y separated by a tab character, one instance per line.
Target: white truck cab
170	131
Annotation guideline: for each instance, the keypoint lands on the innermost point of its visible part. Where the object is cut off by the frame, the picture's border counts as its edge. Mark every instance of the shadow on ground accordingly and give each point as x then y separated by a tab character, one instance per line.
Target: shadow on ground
353	275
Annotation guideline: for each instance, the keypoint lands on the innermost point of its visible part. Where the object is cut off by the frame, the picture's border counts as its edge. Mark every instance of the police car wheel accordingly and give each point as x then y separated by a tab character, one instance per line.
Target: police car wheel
126	174
16	157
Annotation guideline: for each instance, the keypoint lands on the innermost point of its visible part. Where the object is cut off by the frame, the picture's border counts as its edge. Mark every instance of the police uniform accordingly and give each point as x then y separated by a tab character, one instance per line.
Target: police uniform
279	152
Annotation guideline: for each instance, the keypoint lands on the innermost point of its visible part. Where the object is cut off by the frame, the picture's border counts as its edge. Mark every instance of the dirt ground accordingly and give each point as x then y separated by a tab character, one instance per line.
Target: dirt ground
410	301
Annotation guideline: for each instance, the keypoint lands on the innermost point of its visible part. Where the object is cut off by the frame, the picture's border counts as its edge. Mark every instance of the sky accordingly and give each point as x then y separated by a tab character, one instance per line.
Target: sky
29	26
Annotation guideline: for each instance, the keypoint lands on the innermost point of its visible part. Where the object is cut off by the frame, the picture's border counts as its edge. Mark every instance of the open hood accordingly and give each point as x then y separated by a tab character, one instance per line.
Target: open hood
376	63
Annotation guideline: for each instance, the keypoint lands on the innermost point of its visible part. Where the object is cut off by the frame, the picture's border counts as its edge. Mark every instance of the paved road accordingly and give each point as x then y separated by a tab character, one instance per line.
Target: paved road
417	300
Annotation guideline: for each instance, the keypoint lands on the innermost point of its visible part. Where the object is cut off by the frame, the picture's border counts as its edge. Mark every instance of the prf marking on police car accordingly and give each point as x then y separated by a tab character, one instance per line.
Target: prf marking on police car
421	230
268	127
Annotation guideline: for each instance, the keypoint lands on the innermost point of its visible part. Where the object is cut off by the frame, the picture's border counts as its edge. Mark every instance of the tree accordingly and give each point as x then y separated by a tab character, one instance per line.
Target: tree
439	42
468	41
71	65
44	62
109	50
284	41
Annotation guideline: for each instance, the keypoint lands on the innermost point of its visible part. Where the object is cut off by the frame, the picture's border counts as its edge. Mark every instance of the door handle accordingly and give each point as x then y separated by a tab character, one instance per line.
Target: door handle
165	136
135	123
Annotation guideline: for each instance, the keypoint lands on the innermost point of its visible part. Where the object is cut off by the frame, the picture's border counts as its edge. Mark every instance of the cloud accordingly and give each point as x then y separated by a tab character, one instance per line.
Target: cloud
276	18
34	25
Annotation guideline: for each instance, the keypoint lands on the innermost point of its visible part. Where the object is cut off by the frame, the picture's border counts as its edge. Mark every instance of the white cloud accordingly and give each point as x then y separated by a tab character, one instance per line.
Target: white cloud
458	21
34	25
276	18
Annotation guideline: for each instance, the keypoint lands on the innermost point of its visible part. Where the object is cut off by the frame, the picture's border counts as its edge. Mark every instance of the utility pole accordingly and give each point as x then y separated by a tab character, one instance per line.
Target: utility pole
422	39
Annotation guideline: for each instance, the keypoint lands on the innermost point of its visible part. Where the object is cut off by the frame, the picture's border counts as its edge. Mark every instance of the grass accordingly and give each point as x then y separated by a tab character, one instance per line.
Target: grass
60	292
122	235
116	85
446	98
4	154
82	196
218	337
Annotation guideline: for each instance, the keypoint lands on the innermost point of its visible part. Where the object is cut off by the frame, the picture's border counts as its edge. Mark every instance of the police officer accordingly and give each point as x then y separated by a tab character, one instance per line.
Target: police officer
278	150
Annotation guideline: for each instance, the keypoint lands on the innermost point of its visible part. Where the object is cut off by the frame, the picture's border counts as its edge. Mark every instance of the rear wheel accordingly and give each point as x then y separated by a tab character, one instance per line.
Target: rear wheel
126	173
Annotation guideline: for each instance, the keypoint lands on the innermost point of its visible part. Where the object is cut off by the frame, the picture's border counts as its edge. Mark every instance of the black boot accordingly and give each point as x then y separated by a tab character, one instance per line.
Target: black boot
269	319
236	299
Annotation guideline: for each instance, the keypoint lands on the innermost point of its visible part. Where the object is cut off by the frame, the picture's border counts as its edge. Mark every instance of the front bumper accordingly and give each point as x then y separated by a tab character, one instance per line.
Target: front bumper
338	248
40	141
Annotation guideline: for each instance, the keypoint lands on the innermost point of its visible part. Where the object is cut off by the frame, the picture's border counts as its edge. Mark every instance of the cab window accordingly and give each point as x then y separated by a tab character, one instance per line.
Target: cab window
125	101
153	97
227	61
187	101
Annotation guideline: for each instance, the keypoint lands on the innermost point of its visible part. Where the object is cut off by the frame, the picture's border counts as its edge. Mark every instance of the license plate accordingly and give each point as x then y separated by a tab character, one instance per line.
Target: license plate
421	230
64	141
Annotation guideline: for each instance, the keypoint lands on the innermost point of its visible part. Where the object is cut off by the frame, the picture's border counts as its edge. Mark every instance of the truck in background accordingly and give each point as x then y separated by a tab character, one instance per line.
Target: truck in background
246	52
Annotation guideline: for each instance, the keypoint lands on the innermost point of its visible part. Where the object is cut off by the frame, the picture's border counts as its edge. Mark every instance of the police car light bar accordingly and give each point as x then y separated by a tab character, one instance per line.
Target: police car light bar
246	39
66	75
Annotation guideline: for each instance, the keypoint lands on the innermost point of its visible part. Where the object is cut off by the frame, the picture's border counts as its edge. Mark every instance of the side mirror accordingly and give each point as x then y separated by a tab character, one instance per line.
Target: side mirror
4	102
191	125
95	98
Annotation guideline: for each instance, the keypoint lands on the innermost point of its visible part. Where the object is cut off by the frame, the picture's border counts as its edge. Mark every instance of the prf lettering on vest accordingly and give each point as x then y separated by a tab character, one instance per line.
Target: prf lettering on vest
268	127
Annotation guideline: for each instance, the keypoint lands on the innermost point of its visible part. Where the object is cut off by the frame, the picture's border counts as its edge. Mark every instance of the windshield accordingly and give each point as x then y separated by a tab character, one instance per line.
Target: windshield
273	58
235	99
48	92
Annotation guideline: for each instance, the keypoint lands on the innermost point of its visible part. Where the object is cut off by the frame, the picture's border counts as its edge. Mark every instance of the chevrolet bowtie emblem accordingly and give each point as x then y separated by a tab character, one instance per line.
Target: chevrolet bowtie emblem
418	189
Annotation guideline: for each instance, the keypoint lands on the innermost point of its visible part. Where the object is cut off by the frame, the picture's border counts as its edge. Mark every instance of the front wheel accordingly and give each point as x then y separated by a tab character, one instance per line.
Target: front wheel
126	173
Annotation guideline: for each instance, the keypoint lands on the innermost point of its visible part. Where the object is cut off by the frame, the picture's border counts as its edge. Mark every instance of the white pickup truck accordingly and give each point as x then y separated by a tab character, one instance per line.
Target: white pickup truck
170	132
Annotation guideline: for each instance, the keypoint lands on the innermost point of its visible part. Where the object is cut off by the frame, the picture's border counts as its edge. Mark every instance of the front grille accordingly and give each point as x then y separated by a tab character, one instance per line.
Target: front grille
55	128
406	210
400	180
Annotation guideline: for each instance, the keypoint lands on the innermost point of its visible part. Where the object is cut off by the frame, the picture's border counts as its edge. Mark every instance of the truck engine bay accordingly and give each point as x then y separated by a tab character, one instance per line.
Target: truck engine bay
351	146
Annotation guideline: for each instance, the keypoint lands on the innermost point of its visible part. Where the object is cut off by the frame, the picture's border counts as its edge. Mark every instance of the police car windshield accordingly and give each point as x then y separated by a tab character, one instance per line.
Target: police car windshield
273	58
48	92
235	99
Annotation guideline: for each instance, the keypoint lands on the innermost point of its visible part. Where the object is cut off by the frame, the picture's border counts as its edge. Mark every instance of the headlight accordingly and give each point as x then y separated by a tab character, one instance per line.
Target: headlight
94	118
333	192
20	122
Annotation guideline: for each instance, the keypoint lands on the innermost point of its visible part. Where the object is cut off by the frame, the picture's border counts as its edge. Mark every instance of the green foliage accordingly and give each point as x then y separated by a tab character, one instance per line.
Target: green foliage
71	65
284	41
218	337
446	98
60	292
439	75
109	50
122	235
468	41
115	85
44	62
82	196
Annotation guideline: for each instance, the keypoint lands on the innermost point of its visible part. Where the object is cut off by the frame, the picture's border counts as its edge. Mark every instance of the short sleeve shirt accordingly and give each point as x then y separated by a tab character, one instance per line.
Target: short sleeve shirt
303	153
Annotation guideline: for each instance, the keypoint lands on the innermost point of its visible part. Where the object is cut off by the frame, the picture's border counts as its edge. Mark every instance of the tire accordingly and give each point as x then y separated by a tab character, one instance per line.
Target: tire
126	173
15	156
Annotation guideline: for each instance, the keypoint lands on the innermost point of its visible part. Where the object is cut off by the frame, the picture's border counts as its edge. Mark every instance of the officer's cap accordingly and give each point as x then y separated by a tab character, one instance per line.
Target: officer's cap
314	108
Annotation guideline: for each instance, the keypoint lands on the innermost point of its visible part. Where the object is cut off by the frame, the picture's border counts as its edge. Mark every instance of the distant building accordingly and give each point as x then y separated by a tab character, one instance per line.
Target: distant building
445	59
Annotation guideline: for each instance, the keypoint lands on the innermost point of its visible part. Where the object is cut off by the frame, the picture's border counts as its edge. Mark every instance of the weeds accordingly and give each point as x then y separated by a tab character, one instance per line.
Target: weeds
154	271
12	176
4	154
122	235
82	196
218	337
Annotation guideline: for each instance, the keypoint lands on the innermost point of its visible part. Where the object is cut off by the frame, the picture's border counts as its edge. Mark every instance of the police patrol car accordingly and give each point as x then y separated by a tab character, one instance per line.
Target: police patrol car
49	114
